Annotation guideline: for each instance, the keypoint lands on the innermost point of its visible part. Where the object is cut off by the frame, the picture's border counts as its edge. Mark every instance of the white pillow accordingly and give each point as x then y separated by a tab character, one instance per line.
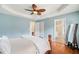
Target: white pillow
4	45
25	36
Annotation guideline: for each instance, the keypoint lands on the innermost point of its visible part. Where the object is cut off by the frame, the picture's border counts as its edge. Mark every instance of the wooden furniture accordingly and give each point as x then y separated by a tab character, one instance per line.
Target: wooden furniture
33	33
50	43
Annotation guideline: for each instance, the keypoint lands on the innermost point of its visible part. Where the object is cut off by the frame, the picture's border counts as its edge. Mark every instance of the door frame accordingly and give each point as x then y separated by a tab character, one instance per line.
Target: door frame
64	25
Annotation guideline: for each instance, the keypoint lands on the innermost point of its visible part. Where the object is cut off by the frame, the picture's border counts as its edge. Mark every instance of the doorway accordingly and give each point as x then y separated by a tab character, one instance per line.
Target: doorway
59	30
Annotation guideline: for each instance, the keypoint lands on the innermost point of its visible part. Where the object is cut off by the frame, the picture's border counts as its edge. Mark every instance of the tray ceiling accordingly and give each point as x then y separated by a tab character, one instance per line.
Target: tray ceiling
51	10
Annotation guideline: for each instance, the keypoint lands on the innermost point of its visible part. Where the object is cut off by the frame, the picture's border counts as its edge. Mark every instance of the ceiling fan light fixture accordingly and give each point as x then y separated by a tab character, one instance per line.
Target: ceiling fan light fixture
35	12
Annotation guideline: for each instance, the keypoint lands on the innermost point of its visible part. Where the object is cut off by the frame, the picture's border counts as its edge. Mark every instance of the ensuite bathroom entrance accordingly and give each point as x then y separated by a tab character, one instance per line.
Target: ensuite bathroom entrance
59	30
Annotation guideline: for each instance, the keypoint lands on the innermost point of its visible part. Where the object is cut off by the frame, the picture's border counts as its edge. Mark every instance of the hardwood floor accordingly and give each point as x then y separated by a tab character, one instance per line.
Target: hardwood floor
60	48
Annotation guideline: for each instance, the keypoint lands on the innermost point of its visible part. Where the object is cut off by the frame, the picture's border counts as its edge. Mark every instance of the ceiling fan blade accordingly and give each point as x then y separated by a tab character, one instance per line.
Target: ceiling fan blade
28	10
32	13
42	10
34	7
38	13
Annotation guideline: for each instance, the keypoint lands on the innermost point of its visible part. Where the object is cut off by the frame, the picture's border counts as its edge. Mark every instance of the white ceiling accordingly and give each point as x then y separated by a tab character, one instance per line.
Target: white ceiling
51	10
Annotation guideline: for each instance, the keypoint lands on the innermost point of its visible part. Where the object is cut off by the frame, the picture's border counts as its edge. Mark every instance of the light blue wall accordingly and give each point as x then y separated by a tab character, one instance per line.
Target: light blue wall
49	27
69	18
13	26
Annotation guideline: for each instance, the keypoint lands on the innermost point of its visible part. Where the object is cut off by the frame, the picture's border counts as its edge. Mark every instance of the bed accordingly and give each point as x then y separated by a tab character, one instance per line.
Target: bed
27	45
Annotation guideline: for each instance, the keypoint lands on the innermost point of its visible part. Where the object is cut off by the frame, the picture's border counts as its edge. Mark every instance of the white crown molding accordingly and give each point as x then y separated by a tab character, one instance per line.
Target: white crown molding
14	12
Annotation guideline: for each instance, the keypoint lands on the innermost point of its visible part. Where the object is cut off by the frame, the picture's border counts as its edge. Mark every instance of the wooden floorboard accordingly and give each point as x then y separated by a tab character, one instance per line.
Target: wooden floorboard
60	48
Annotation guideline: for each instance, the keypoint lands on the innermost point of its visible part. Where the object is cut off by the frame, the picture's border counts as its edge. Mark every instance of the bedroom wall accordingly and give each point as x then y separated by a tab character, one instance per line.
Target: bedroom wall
69	18
13	26
72	19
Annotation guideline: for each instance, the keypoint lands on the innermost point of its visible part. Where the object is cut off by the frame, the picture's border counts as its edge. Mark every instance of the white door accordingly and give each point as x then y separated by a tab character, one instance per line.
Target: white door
39	29
32	27
59	32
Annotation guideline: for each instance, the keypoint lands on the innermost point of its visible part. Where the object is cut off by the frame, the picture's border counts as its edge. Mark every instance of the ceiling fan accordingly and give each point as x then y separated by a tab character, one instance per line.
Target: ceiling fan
35	10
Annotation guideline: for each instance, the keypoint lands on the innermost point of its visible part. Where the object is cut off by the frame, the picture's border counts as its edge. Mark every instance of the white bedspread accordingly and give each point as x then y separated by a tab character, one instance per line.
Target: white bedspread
5	47
42	44
27	45
22	46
